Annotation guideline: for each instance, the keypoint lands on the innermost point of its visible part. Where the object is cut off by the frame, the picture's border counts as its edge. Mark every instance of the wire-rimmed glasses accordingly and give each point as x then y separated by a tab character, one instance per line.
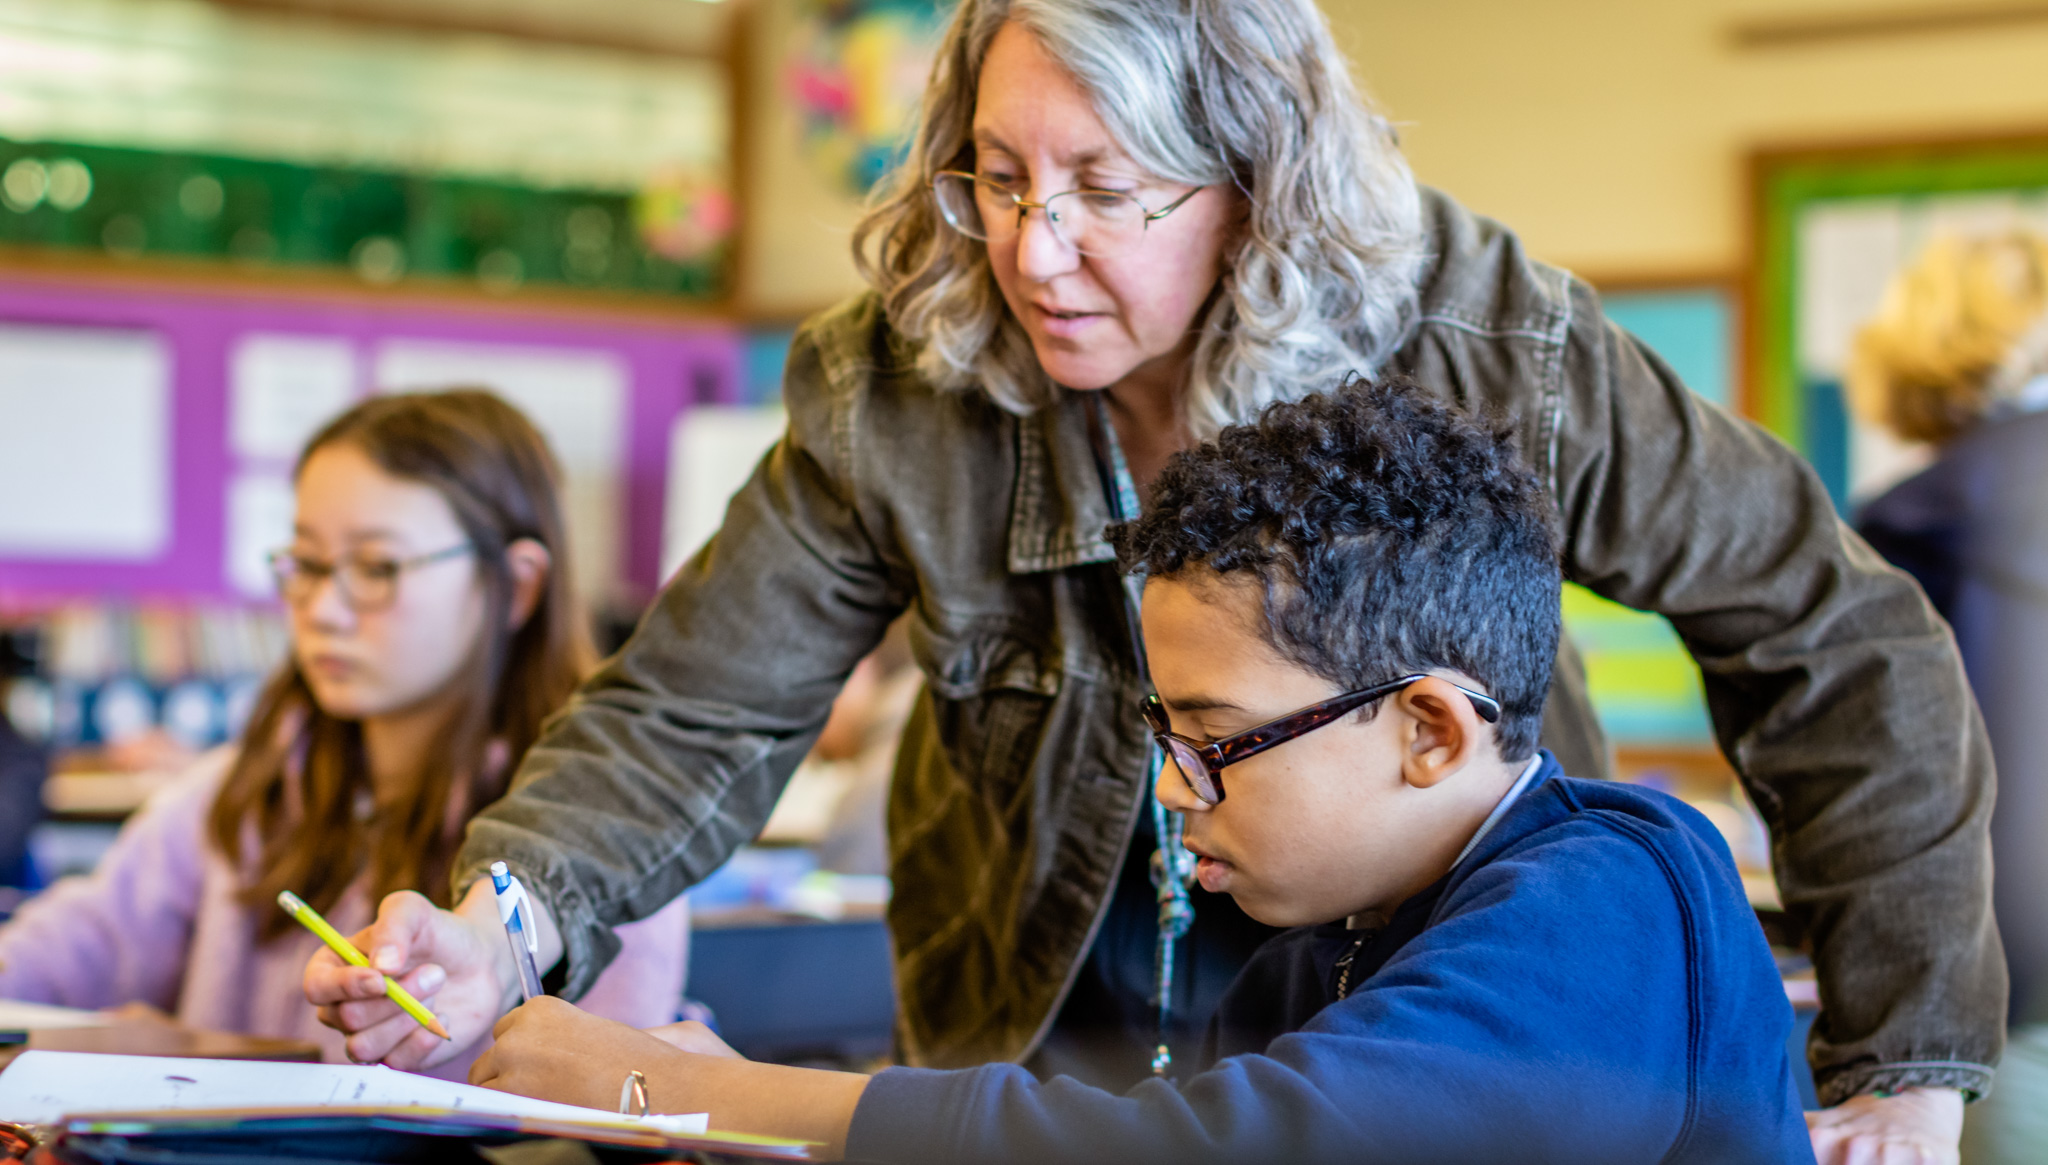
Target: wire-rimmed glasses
1093	222
1201	764
365	584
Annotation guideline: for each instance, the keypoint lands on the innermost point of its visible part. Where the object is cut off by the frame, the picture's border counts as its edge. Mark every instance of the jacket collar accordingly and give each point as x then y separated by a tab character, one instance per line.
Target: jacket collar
1524	816
1058	514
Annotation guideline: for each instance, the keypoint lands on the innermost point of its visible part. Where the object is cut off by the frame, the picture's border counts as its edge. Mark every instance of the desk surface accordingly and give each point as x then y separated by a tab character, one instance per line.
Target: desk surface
161	1039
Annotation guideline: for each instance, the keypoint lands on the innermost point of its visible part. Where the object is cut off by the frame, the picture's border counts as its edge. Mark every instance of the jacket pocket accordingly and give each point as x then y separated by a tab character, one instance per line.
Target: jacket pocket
992	697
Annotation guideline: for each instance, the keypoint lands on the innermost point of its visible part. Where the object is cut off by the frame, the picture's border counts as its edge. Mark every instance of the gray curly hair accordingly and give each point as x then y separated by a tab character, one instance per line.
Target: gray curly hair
1251	92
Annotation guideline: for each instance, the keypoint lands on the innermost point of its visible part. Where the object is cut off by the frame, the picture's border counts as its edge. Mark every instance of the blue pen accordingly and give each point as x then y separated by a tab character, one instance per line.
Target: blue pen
519	928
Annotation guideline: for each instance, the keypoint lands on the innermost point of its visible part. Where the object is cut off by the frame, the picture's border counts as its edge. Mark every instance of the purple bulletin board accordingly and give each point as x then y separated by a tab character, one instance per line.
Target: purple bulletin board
670	366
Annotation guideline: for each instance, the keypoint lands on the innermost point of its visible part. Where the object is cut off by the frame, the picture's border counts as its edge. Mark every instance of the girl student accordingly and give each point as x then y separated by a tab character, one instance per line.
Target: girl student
432	631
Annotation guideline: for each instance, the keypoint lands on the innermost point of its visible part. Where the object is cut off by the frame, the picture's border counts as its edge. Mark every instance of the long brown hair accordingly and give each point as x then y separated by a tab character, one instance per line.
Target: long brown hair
302	773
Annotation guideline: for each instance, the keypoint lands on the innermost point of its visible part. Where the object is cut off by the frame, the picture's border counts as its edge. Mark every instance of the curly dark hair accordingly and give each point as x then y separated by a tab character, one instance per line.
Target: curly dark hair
1391	532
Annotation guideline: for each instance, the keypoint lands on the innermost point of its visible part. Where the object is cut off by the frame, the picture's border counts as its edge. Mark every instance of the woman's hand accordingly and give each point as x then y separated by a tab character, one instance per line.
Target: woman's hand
553	1050
550	1050
456	964
1920	1126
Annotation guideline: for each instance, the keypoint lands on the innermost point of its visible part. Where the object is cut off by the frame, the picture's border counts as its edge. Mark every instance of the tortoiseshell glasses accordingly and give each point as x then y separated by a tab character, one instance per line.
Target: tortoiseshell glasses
1201	765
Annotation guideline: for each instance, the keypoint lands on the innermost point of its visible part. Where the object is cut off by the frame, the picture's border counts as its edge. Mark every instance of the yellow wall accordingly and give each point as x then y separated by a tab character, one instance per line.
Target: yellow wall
1610	133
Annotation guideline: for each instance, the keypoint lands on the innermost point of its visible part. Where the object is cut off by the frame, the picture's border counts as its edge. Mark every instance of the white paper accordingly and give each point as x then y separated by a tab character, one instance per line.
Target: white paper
2033	212
261	508
576	397
282	389
85	466
1847	253
712	450
1975	215
42	1087
20	1015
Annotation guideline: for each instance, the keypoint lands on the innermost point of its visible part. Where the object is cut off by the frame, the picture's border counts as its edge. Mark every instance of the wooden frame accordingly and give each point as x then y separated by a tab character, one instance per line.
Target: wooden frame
205	277
1799	30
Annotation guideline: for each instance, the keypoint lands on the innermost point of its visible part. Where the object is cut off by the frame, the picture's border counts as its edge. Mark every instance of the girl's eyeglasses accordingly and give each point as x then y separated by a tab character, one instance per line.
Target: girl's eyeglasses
366	584
1201	765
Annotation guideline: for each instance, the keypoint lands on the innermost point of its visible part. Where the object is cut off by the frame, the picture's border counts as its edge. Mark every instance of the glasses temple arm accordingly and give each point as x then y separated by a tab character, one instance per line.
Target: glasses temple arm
1488	708
1286	728
1169	208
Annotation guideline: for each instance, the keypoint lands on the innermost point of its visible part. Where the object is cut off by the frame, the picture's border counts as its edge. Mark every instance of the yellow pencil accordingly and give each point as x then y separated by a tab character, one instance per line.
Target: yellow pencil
311	920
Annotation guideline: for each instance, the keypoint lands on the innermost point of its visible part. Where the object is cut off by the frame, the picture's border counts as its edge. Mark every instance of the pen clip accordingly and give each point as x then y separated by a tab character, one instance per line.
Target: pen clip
510	894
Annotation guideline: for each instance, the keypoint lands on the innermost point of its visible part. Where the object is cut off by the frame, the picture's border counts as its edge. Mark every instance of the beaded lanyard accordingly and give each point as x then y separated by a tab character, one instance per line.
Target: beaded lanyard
1173	867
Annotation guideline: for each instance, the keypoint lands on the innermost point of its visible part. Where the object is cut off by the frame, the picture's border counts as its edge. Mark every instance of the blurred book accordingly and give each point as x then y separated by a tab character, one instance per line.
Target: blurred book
22	1016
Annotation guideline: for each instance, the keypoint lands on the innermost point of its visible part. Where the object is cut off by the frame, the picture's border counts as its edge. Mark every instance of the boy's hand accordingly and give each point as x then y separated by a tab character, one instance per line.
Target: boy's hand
1920	1126
449	961
552	1050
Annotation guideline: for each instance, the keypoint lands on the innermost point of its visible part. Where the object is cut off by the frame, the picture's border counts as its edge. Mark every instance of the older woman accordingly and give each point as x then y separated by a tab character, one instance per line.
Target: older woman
1123	224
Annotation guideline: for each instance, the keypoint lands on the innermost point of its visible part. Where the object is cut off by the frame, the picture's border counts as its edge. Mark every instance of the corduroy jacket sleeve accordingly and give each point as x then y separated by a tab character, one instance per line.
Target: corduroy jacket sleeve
673	754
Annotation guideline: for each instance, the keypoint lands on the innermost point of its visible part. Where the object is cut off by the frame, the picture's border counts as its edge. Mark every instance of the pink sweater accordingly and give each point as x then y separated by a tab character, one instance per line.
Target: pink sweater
158	922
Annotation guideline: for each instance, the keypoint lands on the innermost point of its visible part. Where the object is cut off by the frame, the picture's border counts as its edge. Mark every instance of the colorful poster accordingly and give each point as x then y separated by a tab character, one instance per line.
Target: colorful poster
856	73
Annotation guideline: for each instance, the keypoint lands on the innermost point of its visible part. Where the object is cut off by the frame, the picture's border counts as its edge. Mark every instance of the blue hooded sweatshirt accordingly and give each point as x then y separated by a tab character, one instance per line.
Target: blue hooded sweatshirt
1588	985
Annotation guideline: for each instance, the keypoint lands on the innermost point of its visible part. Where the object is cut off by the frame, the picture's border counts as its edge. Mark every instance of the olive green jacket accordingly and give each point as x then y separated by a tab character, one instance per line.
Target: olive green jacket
1834	688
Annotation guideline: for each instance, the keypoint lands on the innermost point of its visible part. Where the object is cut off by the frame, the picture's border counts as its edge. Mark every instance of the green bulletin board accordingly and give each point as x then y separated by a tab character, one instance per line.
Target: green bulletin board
384	225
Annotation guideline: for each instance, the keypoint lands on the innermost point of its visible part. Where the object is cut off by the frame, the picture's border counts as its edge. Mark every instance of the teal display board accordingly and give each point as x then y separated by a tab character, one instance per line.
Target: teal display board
1691	328
1643	682
383	225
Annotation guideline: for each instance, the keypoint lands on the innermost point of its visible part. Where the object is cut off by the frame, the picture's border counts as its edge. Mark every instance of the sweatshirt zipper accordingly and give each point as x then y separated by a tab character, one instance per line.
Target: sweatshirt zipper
1344	964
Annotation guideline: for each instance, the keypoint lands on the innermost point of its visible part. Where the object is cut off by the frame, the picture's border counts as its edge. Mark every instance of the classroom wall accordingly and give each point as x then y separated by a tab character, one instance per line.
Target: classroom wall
796	225
225	496
1610	133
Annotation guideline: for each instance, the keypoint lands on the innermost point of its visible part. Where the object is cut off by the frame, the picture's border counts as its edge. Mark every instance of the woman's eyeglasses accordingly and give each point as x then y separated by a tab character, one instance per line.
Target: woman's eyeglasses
1093	222
1201	765
366	584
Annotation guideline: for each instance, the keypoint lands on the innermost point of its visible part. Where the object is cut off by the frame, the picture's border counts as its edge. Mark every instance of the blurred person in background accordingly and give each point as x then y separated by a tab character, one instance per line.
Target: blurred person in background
1120	226
432	630
1957	358
23	768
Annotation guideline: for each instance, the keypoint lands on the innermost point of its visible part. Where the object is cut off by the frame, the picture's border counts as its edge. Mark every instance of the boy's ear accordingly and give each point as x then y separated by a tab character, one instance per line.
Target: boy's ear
1443	732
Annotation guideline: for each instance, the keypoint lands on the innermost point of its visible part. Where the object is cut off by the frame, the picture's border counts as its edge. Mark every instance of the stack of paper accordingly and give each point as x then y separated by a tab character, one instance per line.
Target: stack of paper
40	1087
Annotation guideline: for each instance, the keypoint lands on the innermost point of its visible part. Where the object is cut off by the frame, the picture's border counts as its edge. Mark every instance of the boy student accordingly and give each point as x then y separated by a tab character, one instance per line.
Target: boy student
1350	616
